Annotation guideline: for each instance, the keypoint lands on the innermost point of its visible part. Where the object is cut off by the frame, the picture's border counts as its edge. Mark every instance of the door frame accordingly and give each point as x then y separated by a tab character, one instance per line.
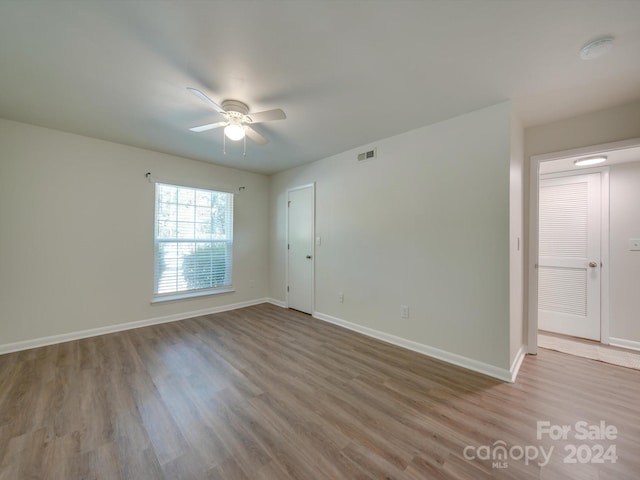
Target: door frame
534	185
313	246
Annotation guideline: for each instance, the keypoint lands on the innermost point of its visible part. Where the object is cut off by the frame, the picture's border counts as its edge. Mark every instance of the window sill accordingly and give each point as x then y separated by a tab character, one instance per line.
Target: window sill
189	295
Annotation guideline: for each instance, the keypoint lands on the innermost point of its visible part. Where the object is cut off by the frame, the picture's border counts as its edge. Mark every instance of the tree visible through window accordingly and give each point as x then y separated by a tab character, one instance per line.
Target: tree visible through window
193	239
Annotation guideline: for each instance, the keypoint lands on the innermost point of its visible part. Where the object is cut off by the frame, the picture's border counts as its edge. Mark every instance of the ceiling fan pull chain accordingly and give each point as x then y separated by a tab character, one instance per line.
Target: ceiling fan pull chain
244	152
224	144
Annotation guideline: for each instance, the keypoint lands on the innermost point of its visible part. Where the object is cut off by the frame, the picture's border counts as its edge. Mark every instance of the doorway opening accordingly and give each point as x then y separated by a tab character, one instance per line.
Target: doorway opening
571	253
300	248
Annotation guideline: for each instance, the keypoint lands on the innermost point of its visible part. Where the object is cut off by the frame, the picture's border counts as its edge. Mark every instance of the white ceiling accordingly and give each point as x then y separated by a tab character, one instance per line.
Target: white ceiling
347	73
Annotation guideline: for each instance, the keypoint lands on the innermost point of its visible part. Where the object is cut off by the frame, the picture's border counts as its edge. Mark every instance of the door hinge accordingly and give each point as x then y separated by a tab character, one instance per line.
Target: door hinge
288	247
287	288
289	203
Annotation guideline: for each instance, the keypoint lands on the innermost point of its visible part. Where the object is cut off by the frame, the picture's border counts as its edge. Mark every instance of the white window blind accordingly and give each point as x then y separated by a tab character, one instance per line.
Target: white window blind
193	240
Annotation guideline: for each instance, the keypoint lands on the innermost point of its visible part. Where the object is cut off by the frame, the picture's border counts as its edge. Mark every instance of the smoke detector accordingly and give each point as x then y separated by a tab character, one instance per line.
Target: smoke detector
596	49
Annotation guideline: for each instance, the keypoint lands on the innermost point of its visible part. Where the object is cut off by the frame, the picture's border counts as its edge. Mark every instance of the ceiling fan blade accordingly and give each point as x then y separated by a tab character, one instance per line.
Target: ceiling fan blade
255	136
206	99
210	126
267	116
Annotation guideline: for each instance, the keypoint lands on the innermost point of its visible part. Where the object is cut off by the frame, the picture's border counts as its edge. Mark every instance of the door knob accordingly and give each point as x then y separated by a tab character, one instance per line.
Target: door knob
308	257
593	264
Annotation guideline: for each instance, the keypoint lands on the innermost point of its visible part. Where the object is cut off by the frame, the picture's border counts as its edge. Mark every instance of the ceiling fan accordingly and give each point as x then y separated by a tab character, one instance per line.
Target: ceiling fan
237	119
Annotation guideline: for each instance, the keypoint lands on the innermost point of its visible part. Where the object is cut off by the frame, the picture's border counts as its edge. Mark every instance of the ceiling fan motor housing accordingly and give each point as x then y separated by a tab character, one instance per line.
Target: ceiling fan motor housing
235	106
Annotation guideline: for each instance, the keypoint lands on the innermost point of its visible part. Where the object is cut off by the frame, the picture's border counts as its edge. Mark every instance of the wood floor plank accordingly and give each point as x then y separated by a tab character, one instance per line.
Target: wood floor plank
100	463
267	393
227	470
166	438
135	453
204	445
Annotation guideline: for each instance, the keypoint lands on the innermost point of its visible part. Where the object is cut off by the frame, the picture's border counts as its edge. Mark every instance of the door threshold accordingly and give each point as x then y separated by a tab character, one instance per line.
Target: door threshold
591	349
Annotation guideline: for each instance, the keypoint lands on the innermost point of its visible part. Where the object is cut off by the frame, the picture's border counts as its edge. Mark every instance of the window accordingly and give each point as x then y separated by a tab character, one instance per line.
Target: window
193	241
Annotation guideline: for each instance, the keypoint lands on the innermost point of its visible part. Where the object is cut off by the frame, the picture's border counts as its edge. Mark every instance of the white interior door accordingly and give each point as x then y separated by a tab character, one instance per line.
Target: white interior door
569	265
300	249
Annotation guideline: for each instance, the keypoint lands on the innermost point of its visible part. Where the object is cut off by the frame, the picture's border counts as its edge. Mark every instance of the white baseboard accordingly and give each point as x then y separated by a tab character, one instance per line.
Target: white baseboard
621	342
93	332
277	303
453	358
517	362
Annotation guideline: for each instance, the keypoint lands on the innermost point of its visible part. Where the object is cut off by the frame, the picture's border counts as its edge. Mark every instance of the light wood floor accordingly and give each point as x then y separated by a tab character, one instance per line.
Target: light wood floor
269	393
589	349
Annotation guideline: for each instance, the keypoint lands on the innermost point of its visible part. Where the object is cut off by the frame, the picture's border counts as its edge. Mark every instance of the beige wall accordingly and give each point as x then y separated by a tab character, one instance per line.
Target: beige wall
426	224
76	232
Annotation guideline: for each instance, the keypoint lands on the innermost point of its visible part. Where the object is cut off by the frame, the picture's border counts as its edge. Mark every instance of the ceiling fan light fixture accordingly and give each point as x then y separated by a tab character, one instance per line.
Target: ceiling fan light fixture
237	121
234	132
583	162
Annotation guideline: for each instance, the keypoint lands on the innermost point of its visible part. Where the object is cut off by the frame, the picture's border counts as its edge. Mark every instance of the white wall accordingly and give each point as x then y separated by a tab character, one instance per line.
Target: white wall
610	125
76	232
516	237
426	224
624	224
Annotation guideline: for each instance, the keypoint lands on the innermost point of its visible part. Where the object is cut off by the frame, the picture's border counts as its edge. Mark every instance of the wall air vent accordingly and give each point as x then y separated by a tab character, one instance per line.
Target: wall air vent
368	155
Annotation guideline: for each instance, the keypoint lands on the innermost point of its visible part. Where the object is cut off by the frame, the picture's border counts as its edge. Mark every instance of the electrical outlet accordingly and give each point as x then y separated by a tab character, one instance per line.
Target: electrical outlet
340	297
404	311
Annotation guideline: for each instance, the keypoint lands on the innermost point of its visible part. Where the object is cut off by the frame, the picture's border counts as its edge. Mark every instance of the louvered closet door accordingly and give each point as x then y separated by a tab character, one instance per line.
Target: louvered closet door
569	255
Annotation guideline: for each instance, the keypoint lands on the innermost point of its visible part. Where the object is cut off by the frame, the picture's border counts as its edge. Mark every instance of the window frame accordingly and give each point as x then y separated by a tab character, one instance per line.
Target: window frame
228	239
